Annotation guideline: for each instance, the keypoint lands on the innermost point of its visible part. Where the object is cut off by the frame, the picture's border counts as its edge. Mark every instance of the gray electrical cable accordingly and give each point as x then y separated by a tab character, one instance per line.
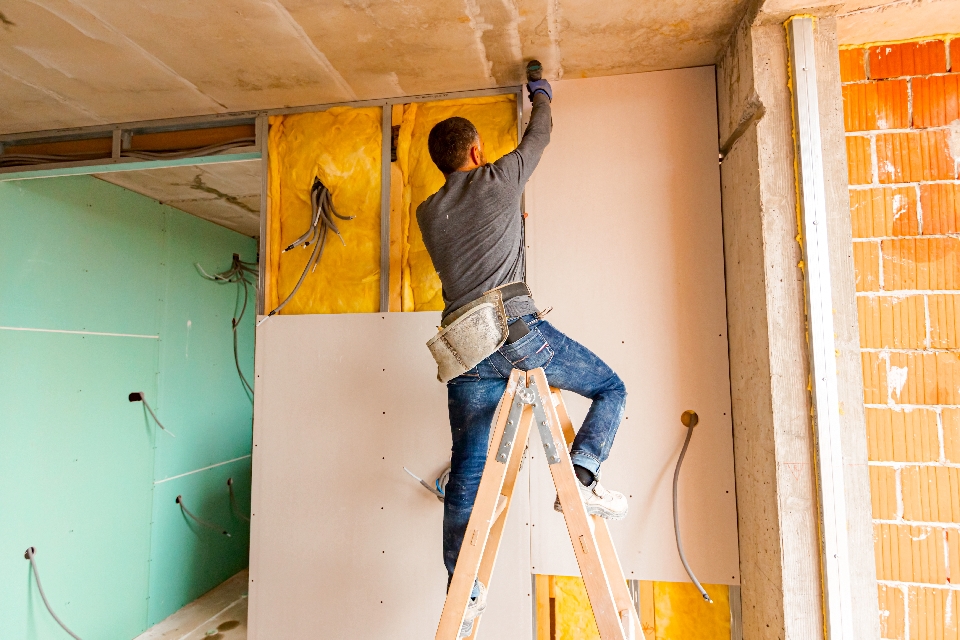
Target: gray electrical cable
689	419
17	159
321	219
205	523
233	502
239	273
138	396
30	553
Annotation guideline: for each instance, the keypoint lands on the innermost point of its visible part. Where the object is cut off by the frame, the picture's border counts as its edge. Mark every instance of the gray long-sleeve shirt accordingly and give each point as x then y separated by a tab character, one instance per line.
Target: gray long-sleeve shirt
473	227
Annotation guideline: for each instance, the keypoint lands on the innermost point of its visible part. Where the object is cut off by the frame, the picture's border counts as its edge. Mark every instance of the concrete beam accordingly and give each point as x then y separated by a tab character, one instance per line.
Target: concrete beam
773	426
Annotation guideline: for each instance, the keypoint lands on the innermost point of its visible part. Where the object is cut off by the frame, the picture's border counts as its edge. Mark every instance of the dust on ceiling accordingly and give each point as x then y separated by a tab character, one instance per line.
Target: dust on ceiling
227	194
66	63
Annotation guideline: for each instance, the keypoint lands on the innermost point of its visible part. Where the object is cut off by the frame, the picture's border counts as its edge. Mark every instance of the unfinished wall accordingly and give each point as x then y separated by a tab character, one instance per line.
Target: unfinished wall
902	119
101	298
773	430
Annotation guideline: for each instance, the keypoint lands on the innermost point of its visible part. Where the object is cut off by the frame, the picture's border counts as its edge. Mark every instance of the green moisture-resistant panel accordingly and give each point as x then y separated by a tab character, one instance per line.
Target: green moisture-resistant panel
76	476
192	558
201	398
81	254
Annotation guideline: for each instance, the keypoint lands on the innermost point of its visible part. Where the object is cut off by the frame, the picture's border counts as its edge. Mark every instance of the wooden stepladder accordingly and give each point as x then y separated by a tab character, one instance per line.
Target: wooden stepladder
529	400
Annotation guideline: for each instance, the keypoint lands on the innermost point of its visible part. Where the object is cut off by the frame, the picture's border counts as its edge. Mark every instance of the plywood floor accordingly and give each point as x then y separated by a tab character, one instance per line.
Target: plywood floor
220	614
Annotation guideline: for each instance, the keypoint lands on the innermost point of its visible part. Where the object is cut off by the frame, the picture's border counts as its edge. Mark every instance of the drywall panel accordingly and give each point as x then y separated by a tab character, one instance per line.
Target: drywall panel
344	544
188	559
625	244
55	275
76	474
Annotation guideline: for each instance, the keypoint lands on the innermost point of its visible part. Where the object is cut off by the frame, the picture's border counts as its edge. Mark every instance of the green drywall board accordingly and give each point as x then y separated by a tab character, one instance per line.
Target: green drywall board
76	474
80	254
189	559
201	397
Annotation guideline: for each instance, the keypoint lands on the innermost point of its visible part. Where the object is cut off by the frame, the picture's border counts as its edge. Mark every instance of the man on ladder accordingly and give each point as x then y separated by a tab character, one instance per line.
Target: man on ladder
473	230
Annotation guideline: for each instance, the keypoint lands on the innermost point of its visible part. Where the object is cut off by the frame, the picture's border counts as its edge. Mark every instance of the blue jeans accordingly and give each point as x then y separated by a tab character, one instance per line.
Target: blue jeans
472	400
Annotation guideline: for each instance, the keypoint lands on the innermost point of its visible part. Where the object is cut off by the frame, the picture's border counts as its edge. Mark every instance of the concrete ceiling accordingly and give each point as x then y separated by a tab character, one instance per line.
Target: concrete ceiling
227	194
81	62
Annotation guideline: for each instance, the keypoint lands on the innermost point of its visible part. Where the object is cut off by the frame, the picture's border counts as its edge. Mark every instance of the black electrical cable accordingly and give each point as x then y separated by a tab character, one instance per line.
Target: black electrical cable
30	553
689	420
321	219
205	523
241	273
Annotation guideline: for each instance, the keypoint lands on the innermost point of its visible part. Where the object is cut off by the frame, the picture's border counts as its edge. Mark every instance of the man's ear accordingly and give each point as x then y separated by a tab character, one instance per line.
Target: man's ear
476	154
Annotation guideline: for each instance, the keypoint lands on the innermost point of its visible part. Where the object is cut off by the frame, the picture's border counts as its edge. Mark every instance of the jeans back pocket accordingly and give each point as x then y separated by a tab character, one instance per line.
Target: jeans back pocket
529	352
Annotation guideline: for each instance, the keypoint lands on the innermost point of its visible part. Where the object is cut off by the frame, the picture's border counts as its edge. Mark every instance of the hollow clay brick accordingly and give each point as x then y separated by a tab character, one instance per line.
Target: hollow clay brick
896	435
884	212
940	206
859	160
930	493
935	101
883	492
891	612
892	322
869	106
920	264
907	59
944	317
914	156
955	54
866	262
853	65
932	613
911	378
950	419
906	553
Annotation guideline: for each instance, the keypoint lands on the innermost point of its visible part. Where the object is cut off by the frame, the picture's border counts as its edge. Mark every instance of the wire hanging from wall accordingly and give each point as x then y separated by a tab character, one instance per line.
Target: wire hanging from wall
689	420
29	555
200	521
137	396
233	502
322	218
243	274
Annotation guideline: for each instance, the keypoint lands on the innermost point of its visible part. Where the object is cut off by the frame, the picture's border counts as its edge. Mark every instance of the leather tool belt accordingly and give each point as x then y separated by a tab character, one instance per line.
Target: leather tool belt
473	332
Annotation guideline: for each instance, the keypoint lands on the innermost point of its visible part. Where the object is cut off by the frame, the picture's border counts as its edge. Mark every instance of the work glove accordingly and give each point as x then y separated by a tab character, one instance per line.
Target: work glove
539	86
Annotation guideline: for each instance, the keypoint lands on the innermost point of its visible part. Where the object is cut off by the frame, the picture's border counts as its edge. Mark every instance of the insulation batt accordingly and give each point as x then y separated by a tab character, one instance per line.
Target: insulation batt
495	118
342	147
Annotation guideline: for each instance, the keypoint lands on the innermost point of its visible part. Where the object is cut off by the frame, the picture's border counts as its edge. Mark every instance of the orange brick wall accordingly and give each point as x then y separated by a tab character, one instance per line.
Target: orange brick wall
902	114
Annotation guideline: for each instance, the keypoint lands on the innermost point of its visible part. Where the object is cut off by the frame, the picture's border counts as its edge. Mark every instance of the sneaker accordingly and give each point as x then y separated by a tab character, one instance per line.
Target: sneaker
466	628
599	501
476	606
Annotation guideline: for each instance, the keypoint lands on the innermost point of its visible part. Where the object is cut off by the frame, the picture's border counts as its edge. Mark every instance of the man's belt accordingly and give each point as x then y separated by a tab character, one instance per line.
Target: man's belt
474	331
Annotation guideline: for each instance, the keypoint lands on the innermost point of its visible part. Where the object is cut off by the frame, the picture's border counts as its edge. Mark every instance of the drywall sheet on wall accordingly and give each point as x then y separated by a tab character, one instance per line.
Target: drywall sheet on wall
625	243
341	147
344	544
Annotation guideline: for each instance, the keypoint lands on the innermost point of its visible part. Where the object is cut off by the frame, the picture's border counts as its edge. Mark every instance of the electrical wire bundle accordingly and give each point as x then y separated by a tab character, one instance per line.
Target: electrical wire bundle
321	219
24	159
243	274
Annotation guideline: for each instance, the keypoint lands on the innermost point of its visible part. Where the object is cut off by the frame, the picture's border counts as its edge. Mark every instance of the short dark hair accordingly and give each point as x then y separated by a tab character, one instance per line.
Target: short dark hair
450	141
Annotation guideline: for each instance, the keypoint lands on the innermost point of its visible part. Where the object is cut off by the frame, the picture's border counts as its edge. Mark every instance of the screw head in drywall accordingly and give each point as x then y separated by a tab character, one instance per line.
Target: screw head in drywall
689	418
136	396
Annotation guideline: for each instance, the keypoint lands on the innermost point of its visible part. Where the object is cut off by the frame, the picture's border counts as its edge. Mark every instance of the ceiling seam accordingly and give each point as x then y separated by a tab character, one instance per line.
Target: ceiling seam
318	55
154	59
53	94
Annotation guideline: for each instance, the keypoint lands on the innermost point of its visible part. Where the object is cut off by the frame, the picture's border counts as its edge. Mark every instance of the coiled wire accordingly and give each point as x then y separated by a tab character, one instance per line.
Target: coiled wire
243	274
322	218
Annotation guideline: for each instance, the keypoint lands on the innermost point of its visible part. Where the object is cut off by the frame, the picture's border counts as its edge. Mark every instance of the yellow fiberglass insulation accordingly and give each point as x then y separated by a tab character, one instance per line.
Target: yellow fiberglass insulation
495	118
681	612
342	147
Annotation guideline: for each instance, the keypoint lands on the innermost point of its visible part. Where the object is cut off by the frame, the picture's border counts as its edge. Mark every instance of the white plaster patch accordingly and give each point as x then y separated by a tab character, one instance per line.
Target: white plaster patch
899	205
479	26
394	81
40	57
896	378
954	142
922	536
